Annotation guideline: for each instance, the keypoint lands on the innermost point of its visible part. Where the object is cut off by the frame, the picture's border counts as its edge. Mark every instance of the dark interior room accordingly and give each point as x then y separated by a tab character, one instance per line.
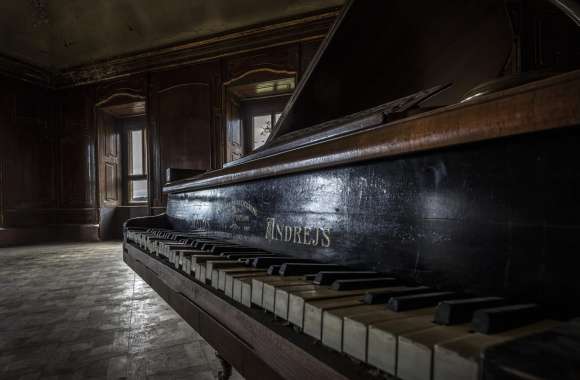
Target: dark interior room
291	189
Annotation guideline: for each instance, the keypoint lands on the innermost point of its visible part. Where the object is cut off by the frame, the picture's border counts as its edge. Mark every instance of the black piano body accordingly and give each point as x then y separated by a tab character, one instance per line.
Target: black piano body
477	193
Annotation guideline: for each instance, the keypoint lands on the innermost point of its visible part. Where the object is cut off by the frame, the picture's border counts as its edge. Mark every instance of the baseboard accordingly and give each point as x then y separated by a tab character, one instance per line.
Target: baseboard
45	234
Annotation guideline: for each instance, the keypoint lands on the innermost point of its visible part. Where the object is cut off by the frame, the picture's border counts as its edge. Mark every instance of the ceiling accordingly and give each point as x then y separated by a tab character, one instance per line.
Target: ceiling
64	33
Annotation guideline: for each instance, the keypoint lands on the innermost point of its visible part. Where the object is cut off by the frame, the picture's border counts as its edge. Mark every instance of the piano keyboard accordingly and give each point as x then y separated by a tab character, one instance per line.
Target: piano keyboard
405	330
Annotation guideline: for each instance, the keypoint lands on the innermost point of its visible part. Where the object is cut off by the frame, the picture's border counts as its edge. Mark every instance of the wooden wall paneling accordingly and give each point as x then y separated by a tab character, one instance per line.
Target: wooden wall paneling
109	158
182	107
234	130
153	150
125	90
218	137
30	154
113	96
278	60
264	65
4	120
307	51
77	152
2	189
312	26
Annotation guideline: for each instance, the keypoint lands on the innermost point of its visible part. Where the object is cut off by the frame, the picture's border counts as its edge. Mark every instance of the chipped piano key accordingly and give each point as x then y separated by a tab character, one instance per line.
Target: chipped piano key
355	328
232	274
333	323
383	340
298	300
314	310
270	291
258	286
282	299
415	349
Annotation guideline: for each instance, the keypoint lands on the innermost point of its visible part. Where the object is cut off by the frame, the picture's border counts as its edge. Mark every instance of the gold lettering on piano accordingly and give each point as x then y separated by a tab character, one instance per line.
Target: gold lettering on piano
313	236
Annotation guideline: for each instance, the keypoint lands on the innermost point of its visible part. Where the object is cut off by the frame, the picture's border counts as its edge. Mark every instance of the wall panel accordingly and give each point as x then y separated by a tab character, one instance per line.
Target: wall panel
77	161
29	153
182	115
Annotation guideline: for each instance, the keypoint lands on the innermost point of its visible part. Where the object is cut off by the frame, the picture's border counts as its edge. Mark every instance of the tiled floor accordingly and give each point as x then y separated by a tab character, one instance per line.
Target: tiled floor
77	311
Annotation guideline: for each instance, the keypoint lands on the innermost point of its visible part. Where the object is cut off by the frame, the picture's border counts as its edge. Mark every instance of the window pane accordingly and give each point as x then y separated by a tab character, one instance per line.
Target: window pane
236	131
262	129
139	190
277	117
137	152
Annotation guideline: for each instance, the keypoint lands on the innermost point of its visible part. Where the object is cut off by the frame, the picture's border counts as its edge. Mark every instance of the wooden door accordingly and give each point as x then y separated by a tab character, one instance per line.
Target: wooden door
110	169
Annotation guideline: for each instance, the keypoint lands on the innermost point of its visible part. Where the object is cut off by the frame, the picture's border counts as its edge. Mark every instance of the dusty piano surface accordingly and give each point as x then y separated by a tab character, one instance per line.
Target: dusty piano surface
407	230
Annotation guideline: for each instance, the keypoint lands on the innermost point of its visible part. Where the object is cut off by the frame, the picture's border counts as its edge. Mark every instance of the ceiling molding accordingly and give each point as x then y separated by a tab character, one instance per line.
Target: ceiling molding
27	72
313	26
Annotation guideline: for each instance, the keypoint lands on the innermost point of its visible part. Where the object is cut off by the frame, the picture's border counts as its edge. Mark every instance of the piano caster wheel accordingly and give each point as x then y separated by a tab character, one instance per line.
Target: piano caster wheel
226	371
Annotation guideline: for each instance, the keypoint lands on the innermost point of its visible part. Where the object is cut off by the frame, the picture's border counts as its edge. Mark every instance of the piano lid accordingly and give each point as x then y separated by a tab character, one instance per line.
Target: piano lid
379	51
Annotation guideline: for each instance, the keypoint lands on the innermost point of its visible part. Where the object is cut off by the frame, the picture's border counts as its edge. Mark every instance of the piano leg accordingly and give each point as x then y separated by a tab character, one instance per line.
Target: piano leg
226	371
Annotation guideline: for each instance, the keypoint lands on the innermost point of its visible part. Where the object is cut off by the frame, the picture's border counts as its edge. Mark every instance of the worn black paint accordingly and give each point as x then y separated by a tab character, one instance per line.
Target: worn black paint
499	217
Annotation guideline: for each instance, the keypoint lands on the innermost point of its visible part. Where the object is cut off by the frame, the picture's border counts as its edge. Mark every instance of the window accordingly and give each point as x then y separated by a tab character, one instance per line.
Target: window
262	127
137	189
252	109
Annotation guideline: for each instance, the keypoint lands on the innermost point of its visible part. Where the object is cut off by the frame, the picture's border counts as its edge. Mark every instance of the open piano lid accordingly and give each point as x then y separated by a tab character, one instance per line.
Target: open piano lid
379	51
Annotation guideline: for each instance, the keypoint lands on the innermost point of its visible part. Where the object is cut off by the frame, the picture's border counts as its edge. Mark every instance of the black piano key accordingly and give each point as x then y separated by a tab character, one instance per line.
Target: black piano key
356	284
327	278
241	255
266	261
419	301
379	297
298	269
208	246
200	243
551	354
309	277
233	249
273	270
461	311
495	320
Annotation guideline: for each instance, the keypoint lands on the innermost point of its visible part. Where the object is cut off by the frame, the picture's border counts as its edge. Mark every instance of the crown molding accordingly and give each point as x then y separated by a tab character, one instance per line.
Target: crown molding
308	27
24	71
312	26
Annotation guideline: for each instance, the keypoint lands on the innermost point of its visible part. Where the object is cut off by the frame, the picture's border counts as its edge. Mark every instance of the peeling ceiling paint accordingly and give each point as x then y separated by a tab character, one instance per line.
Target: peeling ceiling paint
64	33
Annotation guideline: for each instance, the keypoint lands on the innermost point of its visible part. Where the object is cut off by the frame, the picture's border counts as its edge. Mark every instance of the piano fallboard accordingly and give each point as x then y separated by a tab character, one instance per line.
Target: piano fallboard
496	217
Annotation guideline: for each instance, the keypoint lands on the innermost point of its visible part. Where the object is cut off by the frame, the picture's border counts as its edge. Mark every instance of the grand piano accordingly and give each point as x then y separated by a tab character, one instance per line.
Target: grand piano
414	214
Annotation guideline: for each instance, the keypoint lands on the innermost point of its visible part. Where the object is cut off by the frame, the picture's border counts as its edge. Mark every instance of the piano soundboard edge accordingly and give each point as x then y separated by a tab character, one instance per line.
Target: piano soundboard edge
249	339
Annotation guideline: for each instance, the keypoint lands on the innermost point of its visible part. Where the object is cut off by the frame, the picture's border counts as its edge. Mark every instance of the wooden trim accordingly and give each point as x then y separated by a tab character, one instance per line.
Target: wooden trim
230	347
2	192
27	72
189	84
260	70
543	105
279	127
287	354
123	94
52	233
308	27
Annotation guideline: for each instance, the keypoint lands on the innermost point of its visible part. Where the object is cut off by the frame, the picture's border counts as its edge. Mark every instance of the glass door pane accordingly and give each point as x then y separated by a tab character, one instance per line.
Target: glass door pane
138	190
262	127
137	165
